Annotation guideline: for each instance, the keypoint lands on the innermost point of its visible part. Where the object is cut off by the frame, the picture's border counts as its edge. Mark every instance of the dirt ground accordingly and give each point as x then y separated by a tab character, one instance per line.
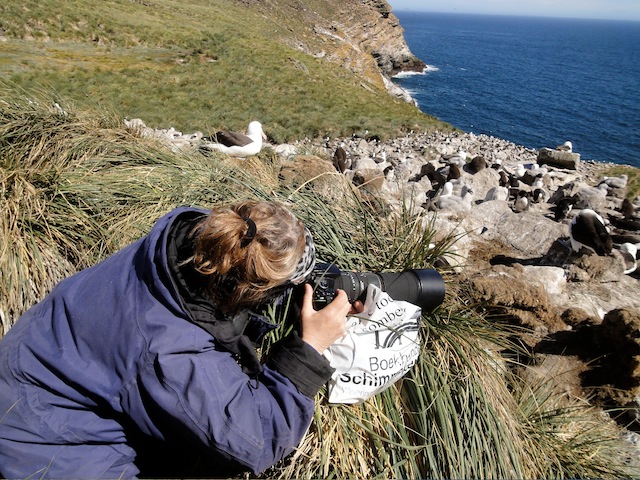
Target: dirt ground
581	355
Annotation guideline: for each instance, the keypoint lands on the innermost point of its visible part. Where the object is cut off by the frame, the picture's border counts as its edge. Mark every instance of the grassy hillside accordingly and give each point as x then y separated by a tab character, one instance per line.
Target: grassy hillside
196	65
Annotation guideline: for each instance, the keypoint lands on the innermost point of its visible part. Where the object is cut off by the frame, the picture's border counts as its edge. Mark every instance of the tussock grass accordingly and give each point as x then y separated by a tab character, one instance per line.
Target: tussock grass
75	187
43	236
578	440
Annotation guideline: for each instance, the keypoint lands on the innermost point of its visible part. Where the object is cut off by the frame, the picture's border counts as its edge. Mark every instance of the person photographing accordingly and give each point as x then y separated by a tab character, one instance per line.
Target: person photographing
144	364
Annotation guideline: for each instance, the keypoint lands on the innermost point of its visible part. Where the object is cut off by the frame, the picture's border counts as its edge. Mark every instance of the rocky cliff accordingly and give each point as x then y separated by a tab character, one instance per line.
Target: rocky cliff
363	36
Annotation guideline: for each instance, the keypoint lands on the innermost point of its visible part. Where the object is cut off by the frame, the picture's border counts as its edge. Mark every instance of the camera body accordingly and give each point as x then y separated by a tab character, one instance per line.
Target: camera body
422	287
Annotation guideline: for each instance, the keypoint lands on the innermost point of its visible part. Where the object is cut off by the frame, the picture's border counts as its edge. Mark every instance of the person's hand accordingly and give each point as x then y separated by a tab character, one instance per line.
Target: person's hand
320	328
357	307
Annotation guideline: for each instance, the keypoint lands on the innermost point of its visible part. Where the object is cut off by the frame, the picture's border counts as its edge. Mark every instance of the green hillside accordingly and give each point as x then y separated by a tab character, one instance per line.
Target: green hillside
196	65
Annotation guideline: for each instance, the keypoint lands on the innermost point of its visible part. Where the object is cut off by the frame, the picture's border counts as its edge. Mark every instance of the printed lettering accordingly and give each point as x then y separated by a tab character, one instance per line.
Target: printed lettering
368	380
373	364
399	360
382	303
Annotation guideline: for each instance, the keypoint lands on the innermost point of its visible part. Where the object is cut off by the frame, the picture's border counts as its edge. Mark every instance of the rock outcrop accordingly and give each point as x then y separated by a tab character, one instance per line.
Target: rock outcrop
363	36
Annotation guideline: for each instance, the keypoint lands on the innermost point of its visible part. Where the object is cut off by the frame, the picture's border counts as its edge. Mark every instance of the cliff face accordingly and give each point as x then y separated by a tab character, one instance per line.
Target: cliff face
383	37
363	36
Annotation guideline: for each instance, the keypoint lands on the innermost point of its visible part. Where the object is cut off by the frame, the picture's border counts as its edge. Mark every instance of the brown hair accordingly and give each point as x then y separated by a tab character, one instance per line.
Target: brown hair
244	274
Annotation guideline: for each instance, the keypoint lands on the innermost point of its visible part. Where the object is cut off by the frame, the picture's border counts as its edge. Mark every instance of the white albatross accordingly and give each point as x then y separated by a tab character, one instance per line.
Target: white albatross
456	203
565	147
237	144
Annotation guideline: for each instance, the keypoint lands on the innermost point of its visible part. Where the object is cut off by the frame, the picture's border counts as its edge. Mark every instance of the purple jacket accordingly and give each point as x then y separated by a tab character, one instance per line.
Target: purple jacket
109	363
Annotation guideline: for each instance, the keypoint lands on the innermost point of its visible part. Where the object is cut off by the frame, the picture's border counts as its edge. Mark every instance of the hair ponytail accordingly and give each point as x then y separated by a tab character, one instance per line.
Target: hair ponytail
246	250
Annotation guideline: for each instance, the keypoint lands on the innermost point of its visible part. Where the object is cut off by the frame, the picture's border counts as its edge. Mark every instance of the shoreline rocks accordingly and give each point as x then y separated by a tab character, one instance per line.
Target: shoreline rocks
417	170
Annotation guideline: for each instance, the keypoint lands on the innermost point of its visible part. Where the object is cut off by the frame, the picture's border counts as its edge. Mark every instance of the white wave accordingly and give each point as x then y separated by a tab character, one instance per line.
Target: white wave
411	91
425	70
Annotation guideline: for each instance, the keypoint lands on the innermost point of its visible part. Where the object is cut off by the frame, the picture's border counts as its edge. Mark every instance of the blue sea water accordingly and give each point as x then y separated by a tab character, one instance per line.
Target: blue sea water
532	81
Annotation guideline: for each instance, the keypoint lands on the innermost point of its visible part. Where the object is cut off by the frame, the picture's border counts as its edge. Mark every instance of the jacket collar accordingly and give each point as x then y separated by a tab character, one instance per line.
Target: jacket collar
235	333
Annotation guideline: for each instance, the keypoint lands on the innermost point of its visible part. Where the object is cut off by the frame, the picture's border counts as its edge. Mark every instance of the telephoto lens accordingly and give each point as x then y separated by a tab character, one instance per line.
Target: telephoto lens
423	287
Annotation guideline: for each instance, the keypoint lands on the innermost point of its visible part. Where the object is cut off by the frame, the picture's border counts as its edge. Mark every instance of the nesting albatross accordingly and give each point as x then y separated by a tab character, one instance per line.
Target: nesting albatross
565	147
237	144
588	230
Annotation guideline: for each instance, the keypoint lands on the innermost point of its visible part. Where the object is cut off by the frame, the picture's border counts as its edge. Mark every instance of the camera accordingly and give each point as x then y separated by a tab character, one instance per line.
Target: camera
422	287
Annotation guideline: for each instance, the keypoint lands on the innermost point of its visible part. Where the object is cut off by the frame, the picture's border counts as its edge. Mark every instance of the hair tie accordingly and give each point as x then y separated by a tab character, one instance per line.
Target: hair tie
251	232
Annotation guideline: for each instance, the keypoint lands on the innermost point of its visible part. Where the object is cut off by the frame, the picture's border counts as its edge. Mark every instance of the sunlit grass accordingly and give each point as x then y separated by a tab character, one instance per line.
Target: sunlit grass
76	187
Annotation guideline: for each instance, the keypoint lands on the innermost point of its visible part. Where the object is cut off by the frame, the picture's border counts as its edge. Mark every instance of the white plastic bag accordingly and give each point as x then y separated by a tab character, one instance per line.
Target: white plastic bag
381	345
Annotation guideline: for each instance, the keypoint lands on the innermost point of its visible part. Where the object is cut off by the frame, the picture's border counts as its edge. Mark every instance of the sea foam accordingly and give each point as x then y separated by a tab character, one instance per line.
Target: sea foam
425	70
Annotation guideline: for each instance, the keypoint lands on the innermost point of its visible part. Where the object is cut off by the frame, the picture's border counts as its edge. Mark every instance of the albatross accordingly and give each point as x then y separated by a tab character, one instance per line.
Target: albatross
588	230
565	147
237	144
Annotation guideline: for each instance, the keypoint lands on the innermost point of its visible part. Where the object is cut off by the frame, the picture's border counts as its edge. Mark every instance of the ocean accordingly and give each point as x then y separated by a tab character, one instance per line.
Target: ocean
536	82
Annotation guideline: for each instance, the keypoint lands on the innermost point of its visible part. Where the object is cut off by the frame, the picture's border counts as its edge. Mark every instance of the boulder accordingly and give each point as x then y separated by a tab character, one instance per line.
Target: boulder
410	195
510	292
482	181
615	351
527	234
559	158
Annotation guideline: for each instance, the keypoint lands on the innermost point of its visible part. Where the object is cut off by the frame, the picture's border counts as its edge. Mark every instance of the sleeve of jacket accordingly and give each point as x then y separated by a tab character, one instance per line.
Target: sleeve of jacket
254	422
300	363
